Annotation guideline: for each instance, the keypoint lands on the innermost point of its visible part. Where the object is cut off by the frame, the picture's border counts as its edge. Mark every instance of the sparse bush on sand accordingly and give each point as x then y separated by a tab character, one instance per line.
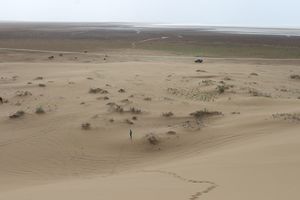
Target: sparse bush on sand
39	78
86	126
295	76
121	91
42	85
152	139
171	133
115	107
134	110
39	110
148	99
168	114
23	93
128	121
293	117
18	114
221	89
134	118
97	91
257	93
205	113
253	74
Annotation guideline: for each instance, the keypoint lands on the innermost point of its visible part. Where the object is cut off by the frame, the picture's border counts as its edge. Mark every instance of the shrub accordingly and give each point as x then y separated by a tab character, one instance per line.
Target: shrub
42	85
97	90
295	76
129	122
18	114
135	110
168	114
86	126
39	110
221	89
152	139
204	113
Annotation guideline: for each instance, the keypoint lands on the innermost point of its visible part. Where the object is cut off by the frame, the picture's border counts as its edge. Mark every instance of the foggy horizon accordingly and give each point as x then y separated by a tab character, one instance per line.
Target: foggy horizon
228	13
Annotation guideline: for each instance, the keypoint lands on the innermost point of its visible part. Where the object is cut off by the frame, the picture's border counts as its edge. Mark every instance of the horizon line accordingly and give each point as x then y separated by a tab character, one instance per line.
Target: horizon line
159	24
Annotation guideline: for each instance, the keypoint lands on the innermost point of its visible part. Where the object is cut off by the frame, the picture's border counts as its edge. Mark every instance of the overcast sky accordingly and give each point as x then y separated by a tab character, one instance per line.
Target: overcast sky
274	13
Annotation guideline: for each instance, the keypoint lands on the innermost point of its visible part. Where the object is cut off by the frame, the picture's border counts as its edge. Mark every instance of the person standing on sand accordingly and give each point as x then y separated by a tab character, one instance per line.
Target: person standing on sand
130	134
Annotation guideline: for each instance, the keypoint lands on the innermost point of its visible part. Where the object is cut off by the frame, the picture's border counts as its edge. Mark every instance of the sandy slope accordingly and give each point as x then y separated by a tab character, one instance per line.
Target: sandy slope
245	153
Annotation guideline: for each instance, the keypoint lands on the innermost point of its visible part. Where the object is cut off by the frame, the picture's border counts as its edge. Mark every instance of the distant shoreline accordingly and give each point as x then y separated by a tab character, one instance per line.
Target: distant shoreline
279	31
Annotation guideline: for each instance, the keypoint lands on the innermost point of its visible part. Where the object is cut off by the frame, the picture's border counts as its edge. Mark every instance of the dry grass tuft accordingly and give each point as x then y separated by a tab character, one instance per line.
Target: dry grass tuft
205	113
18	114
86	126
97	91
40	110
295	76
121	91
168	114
152	139
23	93
128	121
42	85
134	110
171	133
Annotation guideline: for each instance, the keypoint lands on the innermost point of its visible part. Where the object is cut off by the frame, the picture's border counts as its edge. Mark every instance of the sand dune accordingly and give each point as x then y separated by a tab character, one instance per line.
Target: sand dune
224	129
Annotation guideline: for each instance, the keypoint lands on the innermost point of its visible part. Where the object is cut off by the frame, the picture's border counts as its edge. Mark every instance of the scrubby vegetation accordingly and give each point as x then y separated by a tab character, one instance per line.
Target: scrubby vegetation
18	114
86	126
168	114
97	91
39	110
205	113
295	76
152	139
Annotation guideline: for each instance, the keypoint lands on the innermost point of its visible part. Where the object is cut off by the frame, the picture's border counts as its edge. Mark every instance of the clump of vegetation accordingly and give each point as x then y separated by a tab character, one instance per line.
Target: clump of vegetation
206	82
128	121
200	70
293	117
148	99
23	93
111	120
18	114
97	91
86	126
227	78
253	74
39	110
125	101
134	118
115	107
42	85
121	91
134	110
205	113
257	93
152	139
51	57
2	100
171	133
39	78
168	114
295	76
221	89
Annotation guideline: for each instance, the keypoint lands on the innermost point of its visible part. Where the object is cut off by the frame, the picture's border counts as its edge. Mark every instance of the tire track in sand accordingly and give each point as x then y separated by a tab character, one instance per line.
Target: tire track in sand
195	196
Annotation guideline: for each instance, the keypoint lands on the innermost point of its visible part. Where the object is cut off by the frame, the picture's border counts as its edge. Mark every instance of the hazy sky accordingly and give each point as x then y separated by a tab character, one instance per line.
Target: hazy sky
278	13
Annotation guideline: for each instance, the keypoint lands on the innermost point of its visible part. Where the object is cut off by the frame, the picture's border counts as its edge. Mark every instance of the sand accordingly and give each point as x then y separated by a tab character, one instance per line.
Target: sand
244	144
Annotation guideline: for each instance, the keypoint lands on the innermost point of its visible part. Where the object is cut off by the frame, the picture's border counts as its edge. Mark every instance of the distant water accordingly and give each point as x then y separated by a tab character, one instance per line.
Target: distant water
230	30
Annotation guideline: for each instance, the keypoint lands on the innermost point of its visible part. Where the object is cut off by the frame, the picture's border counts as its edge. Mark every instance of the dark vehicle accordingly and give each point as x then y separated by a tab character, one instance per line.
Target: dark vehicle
199	60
